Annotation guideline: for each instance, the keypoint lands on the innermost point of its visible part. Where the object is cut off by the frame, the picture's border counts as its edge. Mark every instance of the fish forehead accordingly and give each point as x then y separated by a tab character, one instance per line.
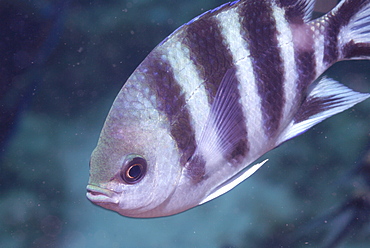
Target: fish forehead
124	131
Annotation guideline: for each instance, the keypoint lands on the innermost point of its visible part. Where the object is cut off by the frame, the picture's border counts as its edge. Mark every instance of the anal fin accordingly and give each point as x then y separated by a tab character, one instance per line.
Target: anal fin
327	98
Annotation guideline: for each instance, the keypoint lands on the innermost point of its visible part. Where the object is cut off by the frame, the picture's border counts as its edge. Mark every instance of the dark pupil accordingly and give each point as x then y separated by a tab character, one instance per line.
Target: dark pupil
134	171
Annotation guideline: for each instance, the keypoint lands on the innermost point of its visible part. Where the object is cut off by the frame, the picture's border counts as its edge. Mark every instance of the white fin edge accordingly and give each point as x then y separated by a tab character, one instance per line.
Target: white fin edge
230	185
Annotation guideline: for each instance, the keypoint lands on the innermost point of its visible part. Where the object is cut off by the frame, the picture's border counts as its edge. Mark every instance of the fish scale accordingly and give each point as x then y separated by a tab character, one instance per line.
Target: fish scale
218	93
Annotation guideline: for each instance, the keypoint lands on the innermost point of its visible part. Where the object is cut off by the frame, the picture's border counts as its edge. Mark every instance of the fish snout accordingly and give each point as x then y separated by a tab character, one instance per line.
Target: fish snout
97	194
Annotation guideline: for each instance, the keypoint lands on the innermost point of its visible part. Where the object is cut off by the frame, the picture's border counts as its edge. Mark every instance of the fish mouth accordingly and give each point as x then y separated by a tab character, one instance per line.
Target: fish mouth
97	194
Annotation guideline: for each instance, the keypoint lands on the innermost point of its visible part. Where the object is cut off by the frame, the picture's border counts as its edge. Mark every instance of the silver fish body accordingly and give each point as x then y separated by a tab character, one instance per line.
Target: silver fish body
217	94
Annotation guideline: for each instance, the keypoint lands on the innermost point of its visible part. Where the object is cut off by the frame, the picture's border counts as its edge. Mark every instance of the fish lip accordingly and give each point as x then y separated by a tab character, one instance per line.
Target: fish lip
97	194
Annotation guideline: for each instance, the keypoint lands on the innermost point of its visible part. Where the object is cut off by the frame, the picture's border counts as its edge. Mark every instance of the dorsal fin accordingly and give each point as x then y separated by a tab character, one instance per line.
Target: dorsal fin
298	8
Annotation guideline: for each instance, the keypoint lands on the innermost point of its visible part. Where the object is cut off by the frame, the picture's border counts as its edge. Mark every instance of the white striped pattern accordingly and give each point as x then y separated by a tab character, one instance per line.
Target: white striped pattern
318	29
285	38
231	29
192	84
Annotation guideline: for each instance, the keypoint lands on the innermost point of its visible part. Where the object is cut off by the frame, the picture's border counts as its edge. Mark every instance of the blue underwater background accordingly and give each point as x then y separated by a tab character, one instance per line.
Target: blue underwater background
62	64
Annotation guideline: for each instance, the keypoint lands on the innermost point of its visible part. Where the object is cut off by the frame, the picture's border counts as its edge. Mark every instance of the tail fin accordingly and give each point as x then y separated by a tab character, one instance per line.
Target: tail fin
348	31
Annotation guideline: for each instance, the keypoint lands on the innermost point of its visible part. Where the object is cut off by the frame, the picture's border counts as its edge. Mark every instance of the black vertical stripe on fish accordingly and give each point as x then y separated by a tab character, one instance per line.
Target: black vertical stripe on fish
207	51
306	66
261	35
341	18
171	101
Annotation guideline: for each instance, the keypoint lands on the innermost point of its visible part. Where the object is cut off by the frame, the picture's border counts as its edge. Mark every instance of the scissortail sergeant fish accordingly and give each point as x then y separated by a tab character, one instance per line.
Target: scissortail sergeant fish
218	93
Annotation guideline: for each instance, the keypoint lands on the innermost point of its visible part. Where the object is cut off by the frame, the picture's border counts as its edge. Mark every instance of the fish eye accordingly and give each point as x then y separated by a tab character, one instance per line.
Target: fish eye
133	169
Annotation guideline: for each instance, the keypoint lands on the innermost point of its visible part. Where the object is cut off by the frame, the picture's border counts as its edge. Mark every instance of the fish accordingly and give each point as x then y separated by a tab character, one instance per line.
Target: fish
217	94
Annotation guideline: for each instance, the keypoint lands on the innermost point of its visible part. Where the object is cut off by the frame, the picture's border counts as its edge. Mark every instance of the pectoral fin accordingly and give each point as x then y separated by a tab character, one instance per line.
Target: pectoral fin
223	137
